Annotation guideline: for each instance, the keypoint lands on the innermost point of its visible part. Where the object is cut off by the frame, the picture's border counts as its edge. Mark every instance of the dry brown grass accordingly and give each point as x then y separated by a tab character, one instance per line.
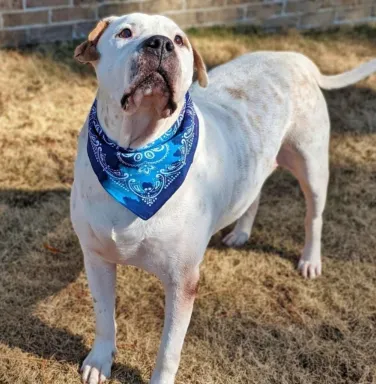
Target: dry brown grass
255	320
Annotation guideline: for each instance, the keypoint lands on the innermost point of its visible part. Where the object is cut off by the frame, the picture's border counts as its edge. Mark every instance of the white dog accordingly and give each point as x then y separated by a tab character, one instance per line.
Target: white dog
259	110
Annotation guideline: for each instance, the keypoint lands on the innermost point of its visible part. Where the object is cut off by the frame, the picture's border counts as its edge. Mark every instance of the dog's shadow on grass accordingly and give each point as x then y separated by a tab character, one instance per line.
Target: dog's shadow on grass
39	257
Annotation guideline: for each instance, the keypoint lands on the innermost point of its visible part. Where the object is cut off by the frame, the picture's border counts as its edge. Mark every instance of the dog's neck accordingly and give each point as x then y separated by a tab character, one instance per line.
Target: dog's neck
137	130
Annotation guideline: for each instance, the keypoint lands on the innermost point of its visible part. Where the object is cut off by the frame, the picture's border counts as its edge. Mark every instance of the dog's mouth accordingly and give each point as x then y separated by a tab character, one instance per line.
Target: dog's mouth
150	90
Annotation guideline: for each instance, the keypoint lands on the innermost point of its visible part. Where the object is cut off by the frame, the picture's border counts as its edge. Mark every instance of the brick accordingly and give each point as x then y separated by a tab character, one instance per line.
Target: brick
247	2
45	3
186	19
87	2
263	11
194	18
221	16
317	19
10	4
351	2
354	13
25	18
50	34
204	3
307	5
158	6
82	30
13	38
281	22
74	13
118	9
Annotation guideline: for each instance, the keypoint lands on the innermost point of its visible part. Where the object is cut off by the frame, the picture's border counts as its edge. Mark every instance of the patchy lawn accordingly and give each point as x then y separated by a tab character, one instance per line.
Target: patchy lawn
255	320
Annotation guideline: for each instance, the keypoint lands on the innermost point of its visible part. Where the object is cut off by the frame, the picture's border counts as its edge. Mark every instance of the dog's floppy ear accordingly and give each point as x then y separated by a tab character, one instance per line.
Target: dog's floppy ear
87	51
200	67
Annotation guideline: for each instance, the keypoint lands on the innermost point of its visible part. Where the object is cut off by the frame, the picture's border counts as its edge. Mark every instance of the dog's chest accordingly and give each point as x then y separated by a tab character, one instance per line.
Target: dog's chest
109	229
99	220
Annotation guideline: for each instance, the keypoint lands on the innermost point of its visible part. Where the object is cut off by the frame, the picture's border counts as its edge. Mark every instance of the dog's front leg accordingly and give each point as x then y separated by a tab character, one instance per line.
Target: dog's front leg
102	279
179	299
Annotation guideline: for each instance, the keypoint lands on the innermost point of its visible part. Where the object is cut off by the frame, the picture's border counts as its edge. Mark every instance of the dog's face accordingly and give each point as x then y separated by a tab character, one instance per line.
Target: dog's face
142	61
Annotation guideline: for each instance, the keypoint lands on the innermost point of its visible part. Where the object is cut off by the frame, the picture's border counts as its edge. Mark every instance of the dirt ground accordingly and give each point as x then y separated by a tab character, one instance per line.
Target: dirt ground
255	319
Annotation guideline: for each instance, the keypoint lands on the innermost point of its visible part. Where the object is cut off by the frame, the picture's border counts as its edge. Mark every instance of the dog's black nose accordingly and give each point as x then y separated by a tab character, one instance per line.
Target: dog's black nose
159	45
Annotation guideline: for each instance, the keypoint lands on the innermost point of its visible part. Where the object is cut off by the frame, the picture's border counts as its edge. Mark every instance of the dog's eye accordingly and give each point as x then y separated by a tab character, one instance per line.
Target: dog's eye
179	40
126	33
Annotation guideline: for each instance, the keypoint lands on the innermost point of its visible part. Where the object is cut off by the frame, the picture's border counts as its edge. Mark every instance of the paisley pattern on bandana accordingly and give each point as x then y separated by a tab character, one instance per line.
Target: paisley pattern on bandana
143	179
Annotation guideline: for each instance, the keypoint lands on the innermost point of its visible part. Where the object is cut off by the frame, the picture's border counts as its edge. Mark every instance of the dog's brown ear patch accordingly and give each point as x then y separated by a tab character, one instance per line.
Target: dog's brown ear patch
87	51
199	65
97	32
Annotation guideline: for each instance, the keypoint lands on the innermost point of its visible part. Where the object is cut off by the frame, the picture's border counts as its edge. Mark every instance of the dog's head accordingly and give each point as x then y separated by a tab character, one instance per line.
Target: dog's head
142	60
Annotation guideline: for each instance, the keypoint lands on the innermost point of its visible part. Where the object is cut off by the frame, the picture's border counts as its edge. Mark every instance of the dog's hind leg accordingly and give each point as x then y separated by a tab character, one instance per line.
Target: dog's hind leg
243	227
310	167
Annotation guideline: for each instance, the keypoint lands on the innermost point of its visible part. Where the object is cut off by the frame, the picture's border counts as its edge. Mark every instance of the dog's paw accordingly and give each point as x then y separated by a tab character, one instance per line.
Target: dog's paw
235	238
309	269
162	378
97	366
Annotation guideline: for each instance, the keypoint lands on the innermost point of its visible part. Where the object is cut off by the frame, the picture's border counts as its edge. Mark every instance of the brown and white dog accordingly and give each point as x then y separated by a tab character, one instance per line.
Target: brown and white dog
259	109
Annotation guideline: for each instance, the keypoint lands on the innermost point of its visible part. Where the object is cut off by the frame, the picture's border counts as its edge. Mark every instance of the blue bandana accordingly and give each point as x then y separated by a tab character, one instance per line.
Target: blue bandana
144	179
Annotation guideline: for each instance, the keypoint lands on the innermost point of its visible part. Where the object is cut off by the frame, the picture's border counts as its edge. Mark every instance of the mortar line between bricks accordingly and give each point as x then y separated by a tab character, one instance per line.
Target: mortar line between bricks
284	6
35	9
120	2
356	21
96	13
53	24
190	10
73	22
215	8
298	22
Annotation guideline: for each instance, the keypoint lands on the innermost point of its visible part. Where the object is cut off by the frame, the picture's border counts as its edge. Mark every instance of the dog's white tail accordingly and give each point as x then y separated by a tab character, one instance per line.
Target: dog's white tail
347	78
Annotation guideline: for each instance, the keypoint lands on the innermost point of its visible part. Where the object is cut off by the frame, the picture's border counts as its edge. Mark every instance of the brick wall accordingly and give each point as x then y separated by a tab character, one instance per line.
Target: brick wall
32	21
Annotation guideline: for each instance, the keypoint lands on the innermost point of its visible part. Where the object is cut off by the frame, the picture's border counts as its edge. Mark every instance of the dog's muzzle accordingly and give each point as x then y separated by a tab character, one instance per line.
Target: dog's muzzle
155	74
